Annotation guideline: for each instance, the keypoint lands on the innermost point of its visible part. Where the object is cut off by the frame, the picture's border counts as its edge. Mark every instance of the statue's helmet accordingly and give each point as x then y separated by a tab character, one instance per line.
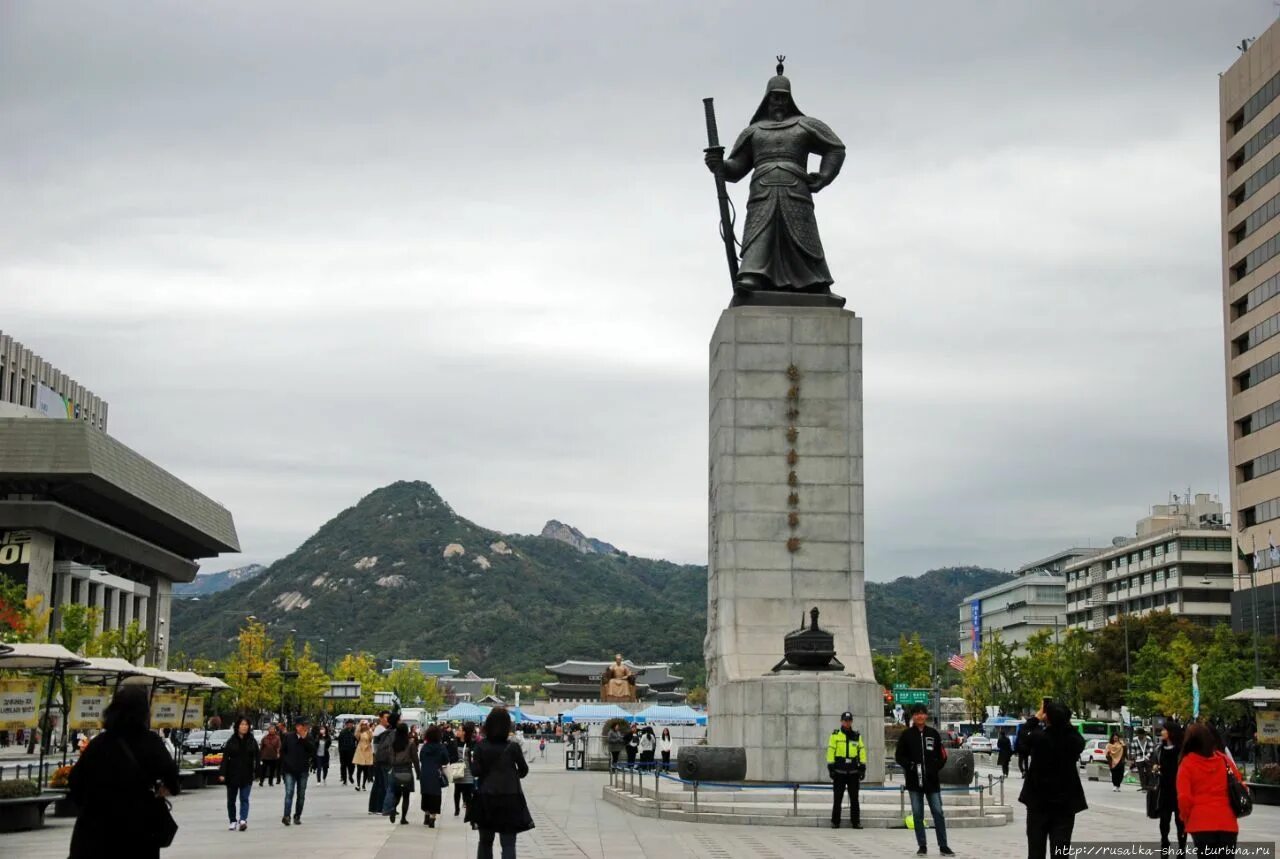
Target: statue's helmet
779	83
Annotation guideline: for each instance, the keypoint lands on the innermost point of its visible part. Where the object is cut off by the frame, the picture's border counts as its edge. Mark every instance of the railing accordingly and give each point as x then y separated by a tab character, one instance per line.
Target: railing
630	778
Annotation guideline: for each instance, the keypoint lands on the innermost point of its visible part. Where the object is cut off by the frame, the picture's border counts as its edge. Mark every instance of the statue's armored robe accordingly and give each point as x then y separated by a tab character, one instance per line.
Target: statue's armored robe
781	248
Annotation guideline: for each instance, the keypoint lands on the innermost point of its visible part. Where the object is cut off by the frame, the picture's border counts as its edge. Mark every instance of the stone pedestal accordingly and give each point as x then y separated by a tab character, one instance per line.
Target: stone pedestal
786	535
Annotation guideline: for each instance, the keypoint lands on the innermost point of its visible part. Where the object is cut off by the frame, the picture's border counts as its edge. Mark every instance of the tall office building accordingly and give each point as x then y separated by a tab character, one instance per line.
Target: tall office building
1249	124
32	387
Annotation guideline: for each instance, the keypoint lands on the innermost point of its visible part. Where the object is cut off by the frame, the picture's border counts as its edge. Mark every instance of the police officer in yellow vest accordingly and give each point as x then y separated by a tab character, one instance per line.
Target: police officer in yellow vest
847	765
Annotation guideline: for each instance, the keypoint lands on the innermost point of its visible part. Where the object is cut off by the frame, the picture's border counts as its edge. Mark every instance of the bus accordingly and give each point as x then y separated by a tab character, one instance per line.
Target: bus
1094	729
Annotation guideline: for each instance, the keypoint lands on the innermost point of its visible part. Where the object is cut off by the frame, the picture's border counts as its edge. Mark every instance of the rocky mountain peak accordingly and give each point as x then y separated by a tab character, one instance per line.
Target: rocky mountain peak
557	530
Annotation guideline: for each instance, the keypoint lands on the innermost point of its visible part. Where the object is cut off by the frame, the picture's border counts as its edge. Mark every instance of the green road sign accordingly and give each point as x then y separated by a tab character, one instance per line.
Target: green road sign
906	696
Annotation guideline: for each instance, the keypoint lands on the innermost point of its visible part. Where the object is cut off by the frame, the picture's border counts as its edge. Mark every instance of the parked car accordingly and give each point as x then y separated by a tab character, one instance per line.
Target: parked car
218	739
194	741
979	743
1094	750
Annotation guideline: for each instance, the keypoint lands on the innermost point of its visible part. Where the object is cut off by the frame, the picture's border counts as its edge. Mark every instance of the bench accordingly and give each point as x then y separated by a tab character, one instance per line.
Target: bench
26	812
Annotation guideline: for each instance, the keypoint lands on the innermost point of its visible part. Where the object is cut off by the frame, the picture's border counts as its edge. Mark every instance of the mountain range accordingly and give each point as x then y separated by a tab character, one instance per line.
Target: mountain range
211	583
402	574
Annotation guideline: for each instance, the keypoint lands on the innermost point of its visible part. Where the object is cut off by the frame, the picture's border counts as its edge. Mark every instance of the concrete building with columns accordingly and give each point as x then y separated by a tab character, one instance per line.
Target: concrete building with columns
1249	163
86	520
32	387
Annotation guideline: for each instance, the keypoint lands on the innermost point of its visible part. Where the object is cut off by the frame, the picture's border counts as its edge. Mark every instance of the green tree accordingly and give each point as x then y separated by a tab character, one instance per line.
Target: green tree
992	679
914	662
1226	668
885	668
252	672
409	684
1038	671
433	696
130	644
311	683
78	625
1174	695
361	667
697	696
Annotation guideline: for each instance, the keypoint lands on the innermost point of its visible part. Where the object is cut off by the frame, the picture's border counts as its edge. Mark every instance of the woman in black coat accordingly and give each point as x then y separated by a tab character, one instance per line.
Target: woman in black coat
499	806
239	764
1051	791
1004	752
1165	758
115	781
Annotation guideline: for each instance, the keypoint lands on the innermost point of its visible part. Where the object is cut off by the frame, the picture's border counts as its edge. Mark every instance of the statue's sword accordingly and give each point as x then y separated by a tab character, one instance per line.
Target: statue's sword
722	193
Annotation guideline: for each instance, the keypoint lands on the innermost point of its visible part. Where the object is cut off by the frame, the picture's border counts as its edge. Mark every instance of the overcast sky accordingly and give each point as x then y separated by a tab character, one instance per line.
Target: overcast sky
307	249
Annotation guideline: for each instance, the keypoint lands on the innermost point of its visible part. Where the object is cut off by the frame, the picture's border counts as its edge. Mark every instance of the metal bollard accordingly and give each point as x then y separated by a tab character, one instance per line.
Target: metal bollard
982	806
902	802
695	797
1002	779
657	793
795	800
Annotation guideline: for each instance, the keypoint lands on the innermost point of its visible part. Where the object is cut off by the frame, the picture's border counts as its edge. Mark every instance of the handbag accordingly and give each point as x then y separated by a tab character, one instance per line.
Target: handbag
1153	801
158	825
403	776
1238	795
456	771
444	779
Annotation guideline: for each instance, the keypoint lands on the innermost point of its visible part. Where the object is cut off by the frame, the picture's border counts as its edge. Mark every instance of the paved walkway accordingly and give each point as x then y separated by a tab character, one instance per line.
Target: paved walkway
572	821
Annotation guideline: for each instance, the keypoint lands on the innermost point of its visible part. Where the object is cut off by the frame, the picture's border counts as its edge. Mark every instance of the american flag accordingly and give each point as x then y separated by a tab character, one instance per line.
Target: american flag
958	662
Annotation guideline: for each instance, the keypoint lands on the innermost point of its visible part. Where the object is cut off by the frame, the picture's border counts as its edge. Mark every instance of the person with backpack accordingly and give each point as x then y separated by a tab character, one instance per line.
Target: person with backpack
499	807
847	766
921	755
404	768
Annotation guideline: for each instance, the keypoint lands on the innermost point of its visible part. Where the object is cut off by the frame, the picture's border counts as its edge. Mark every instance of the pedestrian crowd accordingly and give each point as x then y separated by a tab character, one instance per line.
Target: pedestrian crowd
125	774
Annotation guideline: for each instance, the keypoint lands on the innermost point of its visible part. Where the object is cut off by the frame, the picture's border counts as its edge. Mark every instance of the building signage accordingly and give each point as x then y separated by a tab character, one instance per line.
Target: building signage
51	404
19	703
975	609
194	716
86	709
1268	727
166	710
15	554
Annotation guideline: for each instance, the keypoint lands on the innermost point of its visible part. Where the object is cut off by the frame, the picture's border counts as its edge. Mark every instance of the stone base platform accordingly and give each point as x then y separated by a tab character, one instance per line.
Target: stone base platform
784	720
755	806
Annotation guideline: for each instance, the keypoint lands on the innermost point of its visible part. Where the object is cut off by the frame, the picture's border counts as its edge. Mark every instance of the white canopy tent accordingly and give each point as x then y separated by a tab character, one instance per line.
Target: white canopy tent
53	659
1256	695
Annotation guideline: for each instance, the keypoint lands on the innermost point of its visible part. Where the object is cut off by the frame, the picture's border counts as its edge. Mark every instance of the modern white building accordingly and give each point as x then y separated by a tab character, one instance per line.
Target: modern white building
1179	560
85	520
1033	600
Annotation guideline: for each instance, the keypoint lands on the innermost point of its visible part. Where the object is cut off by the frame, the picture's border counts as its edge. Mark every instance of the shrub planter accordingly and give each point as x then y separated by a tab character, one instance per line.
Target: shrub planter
1264	794
17	815
190	779
210	775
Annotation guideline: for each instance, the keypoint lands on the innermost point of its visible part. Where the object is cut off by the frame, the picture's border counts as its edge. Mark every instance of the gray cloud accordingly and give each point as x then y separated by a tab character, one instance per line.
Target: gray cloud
306	249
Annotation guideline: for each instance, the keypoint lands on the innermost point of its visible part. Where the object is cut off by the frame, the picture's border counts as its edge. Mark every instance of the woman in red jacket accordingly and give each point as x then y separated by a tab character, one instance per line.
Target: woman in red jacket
1202	793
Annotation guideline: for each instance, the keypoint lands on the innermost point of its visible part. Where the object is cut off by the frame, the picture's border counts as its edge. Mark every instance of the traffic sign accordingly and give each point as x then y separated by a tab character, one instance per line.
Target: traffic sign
907	696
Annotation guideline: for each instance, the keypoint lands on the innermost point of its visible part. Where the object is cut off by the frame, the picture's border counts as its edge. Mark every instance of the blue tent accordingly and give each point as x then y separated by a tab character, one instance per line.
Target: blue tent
520	716
660	714
595	713
464	711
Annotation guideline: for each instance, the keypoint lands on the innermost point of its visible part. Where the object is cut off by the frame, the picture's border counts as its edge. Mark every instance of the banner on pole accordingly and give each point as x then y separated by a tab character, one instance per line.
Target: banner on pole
86	709
194	716
1195	691
19	704
166	710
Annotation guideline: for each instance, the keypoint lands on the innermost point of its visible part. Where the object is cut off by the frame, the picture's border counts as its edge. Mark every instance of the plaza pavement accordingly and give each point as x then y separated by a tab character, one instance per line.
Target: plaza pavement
573	821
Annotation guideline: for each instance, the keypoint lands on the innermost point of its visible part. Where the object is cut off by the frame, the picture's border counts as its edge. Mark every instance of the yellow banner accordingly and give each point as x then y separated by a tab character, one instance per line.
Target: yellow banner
166	710
194	717
86	708
19	704
1268	726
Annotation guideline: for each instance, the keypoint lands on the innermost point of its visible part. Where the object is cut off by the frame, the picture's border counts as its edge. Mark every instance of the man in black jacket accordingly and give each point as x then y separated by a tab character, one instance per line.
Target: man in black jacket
1051	792
296	751
347	752
921	755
